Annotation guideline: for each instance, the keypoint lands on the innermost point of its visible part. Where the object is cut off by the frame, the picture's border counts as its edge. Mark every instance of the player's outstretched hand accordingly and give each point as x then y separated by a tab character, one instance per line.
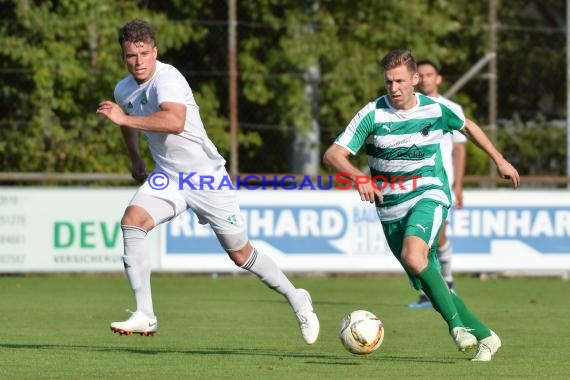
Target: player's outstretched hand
111	111
508	171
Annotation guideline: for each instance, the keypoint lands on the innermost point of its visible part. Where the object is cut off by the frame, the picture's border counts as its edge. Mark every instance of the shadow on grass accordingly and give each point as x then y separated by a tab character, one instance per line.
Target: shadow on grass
320	302
312	358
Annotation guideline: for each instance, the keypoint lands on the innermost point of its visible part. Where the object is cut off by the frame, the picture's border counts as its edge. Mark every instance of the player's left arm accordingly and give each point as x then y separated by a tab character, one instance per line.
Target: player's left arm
505	169
169	119
459	156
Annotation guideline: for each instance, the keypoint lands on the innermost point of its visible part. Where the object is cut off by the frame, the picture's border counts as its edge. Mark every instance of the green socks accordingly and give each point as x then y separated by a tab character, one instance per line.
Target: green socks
438	292
449	305
471	321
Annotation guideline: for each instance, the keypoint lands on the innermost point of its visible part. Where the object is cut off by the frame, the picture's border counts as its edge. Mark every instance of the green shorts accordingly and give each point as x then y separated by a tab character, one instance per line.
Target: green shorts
424	220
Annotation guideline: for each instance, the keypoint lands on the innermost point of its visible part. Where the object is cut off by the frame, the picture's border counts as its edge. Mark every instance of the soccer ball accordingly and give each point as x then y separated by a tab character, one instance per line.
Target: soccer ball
361	332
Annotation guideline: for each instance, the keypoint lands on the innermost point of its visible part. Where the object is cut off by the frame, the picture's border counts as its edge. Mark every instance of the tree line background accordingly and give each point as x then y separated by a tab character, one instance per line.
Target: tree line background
59	59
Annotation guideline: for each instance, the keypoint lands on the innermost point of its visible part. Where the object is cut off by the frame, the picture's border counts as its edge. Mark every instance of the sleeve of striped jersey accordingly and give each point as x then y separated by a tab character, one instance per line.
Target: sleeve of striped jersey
358	130
454	117
458	138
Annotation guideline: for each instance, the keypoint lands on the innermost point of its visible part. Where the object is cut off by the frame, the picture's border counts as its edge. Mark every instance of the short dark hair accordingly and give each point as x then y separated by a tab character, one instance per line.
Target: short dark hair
398	58
136	31
428	62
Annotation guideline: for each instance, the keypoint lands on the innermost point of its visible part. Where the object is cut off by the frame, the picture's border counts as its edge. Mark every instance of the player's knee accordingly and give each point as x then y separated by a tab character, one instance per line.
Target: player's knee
137	217
240	256
414	263
237	246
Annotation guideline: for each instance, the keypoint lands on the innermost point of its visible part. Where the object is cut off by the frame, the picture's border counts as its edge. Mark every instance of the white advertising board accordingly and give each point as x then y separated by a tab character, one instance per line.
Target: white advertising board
507	230
304	231
78	229
62	230
332	231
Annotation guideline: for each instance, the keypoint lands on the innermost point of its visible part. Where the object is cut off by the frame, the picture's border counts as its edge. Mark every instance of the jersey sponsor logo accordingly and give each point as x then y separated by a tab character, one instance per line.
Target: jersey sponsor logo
413	153
543	229
409	153
291	229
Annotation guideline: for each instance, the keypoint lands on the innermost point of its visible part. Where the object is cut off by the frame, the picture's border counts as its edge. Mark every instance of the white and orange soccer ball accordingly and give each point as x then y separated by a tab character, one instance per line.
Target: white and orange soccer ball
361	332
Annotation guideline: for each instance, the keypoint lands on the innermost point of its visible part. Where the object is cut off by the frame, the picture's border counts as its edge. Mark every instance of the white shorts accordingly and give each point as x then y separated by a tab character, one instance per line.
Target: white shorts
219	208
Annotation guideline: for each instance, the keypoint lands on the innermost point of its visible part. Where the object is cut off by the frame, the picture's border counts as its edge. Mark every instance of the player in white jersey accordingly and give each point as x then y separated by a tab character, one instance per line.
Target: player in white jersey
454	157
156	99
401	133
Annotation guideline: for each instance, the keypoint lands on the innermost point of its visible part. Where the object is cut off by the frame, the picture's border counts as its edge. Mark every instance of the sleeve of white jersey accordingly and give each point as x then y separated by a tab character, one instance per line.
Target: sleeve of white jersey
172	87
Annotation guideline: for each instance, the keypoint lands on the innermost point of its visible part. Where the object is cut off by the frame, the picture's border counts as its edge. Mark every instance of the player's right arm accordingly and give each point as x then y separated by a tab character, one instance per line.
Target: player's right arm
336	157
170	118
349	142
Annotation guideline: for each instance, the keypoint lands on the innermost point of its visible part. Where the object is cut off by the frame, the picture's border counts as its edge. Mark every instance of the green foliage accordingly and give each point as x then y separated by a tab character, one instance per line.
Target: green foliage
536	147
477	161
71	62
345	43
59	59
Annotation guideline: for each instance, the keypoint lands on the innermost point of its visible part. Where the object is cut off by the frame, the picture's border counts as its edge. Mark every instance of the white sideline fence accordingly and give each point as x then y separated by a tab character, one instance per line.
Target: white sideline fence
75	229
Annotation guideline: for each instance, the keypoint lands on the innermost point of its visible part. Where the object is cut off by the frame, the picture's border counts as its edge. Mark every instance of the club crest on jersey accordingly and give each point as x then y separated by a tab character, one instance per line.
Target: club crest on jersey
425	130
144	99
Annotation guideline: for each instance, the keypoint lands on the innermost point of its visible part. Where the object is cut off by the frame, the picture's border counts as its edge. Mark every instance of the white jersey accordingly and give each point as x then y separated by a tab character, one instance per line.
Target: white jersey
449	139
189	151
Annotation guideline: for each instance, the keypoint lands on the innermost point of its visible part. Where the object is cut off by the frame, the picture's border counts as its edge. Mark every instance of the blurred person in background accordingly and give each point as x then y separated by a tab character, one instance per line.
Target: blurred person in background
454	158
402	133
156	99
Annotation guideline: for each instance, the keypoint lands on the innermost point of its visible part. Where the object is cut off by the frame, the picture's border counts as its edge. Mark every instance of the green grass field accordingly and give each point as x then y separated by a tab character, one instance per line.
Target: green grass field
233	327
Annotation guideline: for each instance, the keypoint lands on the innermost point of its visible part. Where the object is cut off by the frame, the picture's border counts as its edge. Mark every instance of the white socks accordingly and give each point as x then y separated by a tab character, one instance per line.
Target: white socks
137	267
444	253
269	273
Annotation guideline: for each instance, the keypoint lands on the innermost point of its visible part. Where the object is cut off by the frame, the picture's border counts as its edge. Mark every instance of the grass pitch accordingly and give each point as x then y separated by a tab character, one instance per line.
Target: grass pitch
233	327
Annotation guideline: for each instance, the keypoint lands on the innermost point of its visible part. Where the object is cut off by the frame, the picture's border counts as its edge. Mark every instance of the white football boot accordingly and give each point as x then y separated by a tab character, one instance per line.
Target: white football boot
138	323
487	347
307	318
463	338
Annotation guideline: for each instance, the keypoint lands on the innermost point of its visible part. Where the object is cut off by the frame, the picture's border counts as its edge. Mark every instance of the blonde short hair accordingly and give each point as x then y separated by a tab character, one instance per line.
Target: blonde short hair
398	58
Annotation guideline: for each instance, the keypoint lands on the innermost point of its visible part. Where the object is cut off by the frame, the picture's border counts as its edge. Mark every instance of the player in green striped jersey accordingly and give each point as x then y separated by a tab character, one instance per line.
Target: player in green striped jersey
401	133
454	157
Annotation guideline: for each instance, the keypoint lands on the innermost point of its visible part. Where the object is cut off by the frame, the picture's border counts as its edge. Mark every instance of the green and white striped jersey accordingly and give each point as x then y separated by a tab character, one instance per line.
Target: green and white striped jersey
403	150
